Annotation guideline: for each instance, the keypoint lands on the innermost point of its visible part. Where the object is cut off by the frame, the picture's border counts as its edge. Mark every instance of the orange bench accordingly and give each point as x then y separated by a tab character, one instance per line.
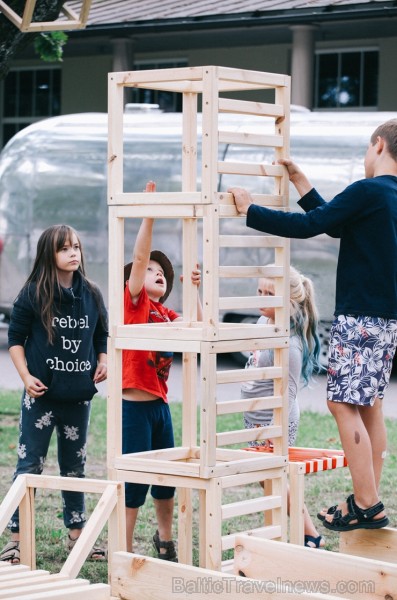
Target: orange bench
303	461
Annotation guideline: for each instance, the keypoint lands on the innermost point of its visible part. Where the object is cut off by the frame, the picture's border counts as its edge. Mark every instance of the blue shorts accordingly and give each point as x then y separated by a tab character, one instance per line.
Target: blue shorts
147	425
360	358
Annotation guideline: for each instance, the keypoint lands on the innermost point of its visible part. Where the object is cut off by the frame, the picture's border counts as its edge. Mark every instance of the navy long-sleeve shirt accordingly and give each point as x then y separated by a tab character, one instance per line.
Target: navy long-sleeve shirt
364	216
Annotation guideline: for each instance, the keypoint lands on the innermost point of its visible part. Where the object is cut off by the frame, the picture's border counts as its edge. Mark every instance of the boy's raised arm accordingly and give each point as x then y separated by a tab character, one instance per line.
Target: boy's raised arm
141	252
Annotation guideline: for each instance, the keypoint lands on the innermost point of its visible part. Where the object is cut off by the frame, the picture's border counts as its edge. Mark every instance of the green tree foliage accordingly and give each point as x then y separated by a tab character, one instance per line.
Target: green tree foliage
13	41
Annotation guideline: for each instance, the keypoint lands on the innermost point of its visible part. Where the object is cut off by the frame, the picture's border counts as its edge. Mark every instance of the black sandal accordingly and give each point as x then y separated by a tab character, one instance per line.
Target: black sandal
170	553
363	517
331	511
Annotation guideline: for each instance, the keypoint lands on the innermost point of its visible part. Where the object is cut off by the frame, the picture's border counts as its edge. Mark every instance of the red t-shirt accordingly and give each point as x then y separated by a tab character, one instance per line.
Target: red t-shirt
142	369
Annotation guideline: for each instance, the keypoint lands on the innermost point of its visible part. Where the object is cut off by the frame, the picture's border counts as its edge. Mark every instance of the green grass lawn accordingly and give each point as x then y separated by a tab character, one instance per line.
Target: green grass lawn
323	489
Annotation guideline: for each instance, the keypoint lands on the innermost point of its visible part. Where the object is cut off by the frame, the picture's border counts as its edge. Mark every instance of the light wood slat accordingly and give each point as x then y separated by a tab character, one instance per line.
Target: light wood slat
11	500
247	345
29	578
256	557
230	302
251	139
158	199
251	241
151	76
166	211
11	571
126	343
138	576
245	107
94	486
268	470
35	587
260	78
181	87
251	271
96	591
225	198
242	405
229	211
257	169
270	532
247	435
236	375
247	507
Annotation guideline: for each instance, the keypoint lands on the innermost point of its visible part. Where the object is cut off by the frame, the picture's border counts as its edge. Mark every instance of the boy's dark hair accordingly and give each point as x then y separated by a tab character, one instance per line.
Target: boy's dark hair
44	274
387	131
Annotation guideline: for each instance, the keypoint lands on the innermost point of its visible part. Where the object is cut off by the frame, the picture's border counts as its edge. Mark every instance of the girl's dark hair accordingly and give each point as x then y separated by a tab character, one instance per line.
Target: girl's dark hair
44	274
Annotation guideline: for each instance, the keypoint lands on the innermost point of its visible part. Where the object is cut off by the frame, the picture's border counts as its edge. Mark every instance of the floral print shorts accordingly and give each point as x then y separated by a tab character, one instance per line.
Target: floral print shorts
360	358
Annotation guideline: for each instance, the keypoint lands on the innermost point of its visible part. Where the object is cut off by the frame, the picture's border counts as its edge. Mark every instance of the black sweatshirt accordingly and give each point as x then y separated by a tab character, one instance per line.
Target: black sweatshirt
68	365
364	216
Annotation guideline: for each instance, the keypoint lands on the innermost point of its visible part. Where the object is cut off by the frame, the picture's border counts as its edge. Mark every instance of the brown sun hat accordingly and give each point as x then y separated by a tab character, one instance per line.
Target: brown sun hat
165	264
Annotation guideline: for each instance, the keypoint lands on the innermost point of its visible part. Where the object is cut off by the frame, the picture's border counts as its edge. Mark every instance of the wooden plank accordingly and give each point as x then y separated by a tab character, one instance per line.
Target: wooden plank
255	169
261	403
254	271
263	559
27	15
36	587
250	139
150	76
236	375
225	199
189	482
9	572
379	544
28	578
251	241
245	107
235	302
161	211
267	339
130	463
264	472
247	435
11	14
187	346
159	199
259	78
97	591
136	576
11	501
70	484
270	532
252	505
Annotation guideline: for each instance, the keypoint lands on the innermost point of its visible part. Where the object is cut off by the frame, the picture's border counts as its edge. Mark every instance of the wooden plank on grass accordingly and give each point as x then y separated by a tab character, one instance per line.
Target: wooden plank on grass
359	578
134	576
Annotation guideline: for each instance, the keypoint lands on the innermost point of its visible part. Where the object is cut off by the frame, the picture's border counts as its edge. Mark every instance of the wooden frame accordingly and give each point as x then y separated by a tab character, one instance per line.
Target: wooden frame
110	509
205	465
134	576
352	576
24	23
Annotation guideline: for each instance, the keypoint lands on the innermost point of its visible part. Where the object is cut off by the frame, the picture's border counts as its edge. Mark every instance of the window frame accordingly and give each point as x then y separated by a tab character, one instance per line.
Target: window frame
339	52
27	119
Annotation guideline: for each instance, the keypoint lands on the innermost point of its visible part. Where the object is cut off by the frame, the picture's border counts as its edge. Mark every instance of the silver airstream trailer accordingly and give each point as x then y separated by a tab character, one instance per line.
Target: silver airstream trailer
55	171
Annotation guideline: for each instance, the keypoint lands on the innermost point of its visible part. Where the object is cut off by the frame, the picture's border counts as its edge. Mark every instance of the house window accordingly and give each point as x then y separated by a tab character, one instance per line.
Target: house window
346	79
167	101
29	95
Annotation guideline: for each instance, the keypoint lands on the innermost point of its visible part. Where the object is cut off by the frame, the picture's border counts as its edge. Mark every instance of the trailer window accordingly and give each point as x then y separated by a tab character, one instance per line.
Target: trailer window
346	79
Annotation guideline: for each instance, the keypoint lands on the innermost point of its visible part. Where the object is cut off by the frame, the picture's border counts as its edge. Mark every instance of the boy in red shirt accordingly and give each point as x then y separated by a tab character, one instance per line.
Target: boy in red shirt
147	421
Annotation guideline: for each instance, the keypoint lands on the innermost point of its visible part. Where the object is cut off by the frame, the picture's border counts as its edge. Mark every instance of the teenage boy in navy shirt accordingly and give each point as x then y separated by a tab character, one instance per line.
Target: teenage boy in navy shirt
364	333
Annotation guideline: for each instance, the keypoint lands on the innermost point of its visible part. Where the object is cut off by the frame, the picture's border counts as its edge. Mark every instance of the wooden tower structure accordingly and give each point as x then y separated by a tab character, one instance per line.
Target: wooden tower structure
206	461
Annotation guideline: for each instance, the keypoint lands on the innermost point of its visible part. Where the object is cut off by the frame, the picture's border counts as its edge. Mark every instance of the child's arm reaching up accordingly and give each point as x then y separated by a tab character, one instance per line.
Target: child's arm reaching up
141	252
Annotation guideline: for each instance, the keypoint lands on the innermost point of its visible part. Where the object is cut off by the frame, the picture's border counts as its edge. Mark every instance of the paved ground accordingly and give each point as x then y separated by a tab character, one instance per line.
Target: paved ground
312	398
